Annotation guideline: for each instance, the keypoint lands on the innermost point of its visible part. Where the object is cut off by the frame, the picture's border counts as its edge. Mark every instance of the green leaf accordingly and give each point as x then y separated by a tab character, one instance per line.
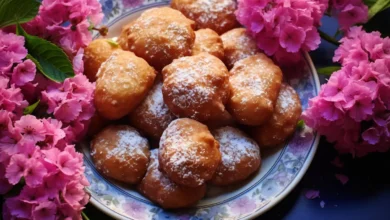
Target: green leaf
50	60
30	109
369	3
17	11
376	6
301	124
85	217
327	71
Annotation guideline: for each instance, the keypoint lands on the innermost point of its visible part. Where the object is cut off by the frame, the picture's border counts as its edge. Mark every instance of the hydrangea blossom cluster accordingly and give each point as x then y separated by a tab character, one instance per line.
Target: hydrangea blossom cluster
66	22
37	152
349	12
52	179
353	108
283	28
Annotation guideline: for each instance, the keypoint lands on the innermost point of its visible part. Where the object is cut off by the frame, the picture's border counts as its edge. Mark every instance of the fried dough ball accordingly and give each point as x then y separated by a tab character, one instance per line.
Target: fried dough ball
283	122
95	54
238	45
208	41
123	81
160	189
240	156
189	154
196	87
217	15
254	85
152	116
224	119
159	35
121	153
97	124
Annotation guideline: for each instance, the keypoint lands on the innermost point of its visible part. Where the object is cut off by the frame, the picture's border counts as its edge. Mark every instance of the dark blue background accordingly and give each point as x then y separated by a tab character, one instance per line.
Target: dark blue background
365	196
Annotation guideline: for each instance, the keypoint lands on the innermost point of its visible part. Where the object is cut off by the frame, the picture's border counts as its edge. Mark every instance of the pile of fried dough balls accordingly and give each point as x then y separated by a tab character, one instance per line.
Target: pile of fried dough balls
185	81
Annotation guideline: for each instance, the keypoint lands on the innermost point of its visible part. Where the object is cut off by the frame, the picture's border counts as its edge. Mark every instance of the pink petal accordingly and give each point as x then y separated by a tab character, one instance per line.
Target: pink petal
337	162
312	194
342	178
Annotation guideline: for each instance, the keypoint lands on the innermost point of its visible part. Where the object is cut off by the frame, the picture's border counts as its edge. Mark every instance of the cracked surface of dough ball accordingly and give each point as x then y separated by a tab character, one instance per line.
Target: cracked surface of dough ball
121	153
237	46
217	15
123	81
95	54
188	153
208	41
160	189
152	116
159	35
240	156
254	85
283	122
196	87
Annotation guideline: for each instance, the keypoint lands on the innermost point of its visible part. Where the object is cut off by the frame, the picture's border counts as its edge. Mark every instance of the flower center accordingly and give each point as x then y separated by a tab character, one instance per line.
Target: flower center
269	6
29	130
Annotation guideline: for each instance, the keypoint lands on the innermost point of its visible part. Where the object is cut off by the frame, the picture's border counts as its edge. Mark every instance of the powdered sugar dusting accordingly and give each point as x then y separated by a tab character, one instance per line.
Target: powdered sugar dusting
235	145
156	175
210	10
188	82
155	107
185	155
285	99
129	145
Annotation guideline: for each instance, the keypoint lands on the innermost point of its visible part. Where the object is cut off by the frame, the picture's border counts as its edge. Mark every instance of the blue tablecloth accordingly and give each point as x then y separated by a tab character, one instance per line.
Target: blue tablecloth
365	197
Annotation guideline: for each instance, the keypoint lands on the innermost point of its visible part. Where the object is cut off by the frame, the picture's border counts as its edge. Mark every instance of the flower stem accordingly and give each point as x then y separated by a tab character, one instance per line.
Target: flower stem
84	216
328	38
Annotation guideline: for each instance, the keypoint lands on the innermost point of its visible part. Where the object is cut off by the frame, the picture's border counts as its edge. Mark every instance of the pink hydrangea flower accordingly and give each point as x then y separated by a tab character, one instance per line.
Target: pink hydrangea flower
36	151
67	23
16	168
283	29
11	98
349	12
353	108
30	129
34	173
19	209
45	210
11	50
23	73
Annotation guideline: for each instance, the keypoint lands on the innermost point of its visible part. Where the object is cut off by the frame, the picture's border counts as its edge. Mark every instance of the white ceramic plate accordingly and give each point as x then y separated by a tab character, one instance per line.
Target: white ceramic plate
280	172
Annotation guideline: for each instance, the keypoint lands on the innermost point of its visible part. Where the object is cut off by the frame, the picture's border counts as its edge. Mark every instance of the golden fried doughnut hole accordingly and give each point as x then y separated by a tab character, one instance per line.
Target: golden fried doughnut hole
240	156
254	85
196	87
95	54
283	121
217	15
189	154
238	45
224	119
97	124
123	81
159	35
208	41
152	116
160	189
121	153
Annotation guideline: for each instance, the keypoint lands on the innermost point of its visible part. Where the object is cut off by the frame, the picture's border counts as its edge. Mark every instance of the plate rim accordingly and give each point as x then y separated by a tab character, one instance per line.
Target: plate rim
307	163
276	199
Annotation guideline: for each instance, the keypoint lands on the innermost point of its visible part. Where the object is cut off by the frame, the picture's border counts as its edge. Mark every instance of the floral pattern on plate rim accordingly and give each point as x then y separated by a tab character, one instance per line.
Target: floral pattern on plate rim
248	203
